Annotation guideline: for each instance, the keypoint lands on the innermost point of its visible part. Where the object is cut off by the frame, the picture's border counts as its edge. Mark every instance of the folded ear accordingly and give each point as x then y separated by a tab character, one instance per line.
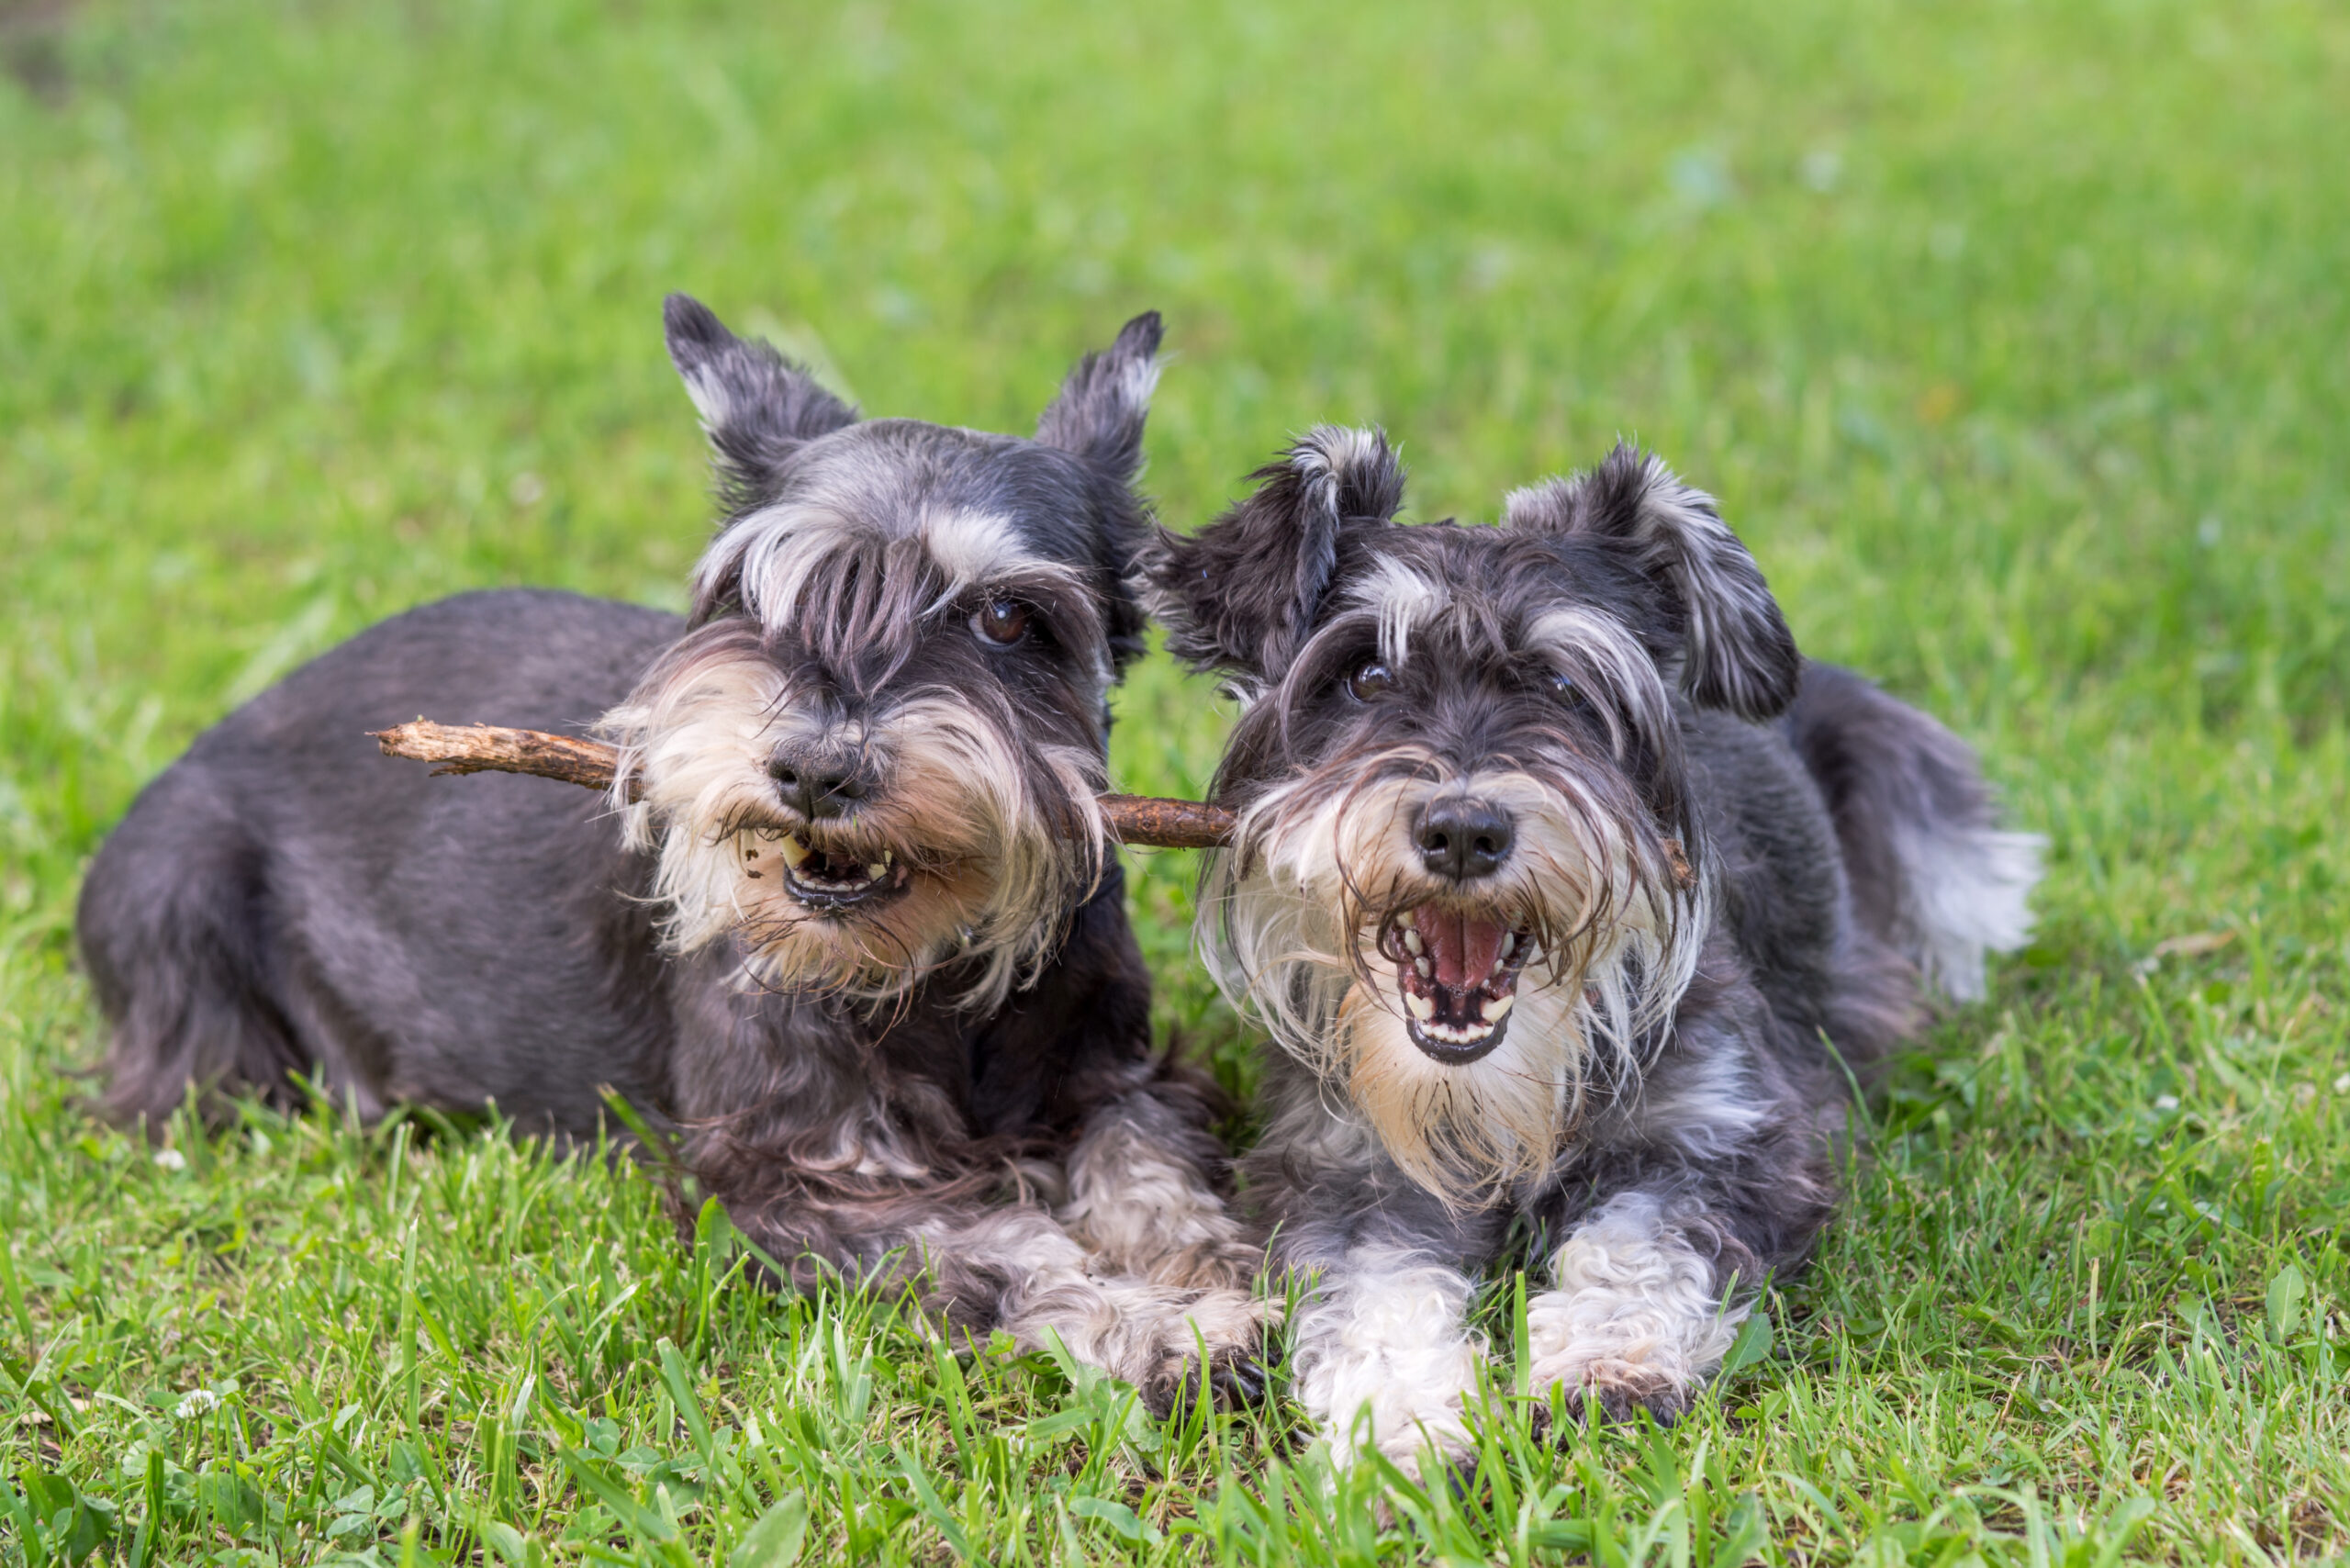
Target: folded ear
1098	413
756	405
1732	645
1241	594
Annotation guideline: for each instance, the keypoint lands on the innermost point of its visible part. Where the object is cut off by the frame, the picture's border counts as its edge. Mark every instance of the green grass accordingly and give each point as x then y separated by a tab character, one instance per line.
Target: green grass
2011	335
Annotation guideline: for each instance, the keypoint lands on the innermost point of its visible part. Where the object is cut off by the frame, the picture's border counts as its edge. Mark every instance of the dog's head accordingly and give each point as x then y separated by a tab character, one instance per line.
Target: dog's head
1466	871
876	750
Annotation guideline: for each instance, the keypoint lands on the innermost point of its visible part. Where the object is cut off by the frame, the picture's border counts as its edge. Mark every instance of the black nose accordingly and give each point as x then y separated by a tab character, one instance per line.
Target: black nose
1464	838
817	786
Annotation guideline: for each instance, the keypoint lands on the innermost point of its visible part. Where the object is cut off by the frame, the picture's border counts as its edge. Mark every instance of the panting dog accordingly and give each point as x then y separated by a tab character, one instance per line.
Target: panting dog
1561	883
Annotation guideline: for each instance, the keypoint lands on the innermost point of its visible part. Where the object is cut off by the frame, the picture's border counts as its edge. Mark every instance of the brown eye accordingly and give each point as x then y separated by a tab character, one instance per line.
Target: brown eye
1001	621
1369	681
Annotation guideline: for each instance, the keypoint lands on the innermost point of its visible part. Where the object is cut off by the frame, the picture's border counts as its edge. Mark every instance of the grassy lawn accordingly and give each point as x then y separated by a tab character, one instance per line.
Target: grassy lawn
2013	336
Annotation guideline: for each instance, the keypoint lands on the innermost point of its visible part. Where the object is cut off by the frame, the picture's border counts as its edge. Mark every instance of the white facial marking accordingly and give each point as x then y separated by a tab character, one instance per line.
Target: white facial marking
1404	599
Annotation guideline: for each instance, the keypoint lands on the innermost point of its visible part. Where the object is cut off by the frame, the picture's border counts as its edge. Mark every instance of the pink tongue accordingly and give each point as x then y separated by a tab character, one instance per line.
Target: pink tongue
1464	950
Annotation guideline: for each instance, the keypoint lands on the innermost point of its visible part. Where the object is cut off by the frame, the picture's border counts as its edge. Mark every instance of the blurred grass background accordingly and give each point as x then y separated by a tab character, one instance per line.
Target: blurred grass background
2011	335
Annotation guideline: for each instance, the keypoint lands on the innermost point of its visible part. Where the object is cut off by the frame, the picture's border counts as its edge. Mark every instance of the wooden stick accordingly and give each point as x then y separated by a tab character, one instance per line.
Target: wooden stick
1162	824
486	748
1144	820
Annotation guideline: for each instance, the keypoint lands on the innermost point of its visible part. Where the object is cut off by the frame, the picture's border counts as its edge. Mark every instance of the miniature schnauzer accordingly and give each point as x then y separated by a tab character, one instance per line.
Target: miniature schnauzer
1564	884
857	942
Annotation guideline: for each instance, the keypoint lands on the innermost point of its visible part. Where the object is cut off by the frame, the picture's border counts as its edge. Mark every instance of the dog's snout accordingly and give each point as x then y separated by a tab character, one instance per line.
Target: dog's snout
818	785
1465	838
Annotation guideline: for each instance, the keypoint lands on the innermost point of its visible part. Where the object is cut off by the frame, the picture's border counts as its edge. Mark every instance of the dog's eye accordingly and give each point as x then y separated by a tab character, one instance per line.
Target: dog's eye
1369	681
1001	621
1568	691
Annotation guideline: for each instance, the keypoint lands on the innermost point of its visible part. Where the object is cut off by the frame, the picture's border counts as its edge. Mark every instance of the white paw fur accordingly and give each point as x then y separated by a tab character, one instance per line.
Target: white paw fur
1386	1340
1635	1314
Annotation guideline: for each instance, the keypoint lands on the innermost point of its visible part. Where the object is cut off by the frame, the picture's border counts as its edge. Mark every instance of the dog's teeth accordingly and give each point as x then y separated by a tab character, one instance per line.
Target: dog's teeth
1509	945
795	853
1425	969
1412	943
1422	1007
1494	1012
878	869
1409	919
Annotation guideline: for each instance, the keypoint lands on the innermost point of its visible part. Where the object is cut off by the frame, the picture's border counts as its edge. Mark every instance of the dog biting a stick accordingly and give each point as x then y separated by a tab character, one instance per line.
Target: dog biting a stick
844	920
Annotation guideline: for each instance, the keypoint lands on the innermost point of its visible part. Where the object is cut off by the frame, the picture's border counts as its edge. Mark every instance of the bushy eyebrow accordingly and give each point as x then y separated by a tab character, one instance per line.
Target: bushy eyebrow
860	601
1403	598
1595	649
973	547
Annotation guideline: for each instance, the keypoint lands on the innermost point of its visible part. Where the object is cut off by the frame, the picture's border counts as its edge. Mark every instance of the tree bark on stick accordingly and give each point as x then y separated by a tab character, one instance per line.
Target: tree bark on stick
1144	820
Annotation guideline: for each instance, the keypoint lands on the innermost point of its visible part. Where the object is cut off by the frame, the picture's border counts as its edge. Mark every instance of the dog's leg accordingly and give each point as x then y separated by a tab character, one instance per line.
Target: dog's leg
1383	1357
1637	1314
978	1267
1017	1269
1674	1207
1380	1354
1143	1197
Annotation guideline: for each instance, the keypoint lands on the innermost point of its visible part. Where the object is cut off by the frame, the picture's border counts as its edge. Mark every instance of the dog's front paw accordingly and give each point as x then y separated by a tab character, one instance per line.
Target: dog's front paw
1637	1360
1141	1203
1220	1265
1238	1377
1620	1387
1218	1338
1406	1408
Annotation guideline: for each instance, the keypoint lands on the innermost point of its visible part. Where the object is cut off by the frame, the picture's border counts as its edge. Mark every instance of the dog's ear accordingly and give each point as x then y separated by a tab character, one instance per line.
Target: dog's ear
755	404
1241	594
1100	411
1733	646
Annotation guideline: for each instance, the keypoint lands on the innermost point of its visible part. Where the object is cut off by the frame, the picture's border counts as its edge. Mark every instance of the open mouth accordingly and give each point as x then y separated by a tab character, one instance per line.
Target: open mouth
1459	975
829	879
